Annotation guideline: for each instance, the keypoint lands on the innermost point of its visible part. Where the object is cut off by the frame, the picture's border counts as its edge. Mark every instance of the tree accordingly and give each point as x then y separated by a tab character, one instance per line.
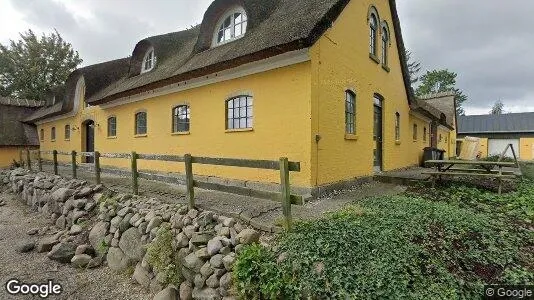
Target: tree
414	67
498	108
32	66
438	81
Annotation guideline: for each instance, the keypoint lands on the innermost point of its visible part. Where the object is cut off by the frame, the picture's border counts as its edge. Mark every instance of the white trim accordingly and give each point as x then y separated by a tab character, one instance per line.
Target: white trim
229	12
153	62
77	100
279	61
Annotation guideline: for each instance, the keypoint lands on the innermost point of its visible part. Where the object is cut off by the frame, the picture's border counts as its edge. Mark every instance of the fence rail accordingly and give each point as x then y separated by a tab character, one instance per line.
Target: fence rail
283	165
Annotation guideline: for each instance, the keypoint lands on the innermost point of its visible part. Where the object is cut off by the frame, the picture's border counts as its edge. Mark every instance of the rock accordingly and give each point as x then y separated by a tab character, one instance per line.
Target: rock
155	222
189	230
238	248
80	260
192	262
26	247
46	244
131	244
134	219
188	274
182	240
248	236
202	253
142	276
186	291
61	222
61	194
89	206
201	238
75	229
206	269
229	222
216	261
86	191
78	214
213	281
224	231
199	281
95	262
117	260
192	213
32	231
62	252
125	223
155	287
228	261
85	249
225	250
80	203
168	293
206	294
214	245
98	234
124	211
226	281
68	206
150	215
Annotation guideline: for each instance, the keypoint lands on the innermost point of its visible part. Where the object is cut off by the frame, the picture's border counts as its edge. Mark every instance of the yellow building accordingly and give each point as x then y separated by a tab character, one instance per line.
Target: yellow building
324	83
14	134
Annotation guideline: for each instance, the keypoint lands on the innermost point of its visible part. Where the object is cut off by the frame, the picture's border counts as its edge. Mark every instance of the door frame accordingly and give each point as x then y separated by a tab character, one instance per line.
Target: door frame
84	139
378	101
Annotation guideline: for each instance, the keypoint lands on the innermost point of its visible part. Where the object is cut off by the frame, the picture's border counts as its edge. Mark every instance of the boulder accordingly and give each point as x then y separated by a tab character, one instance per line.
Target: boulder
216	261
68	206
130	243
61	222
80	203
192	262
61	194
186	291
206	294
202	253
213	281
95	262
155	222
214	245
226	281
201	238
62	252
169	293
46	244
248	236
86	191
26	247
80	260
78	214
98	234
32	231
117	260
206	270
75	229
85	249
228	261
182	240
142	276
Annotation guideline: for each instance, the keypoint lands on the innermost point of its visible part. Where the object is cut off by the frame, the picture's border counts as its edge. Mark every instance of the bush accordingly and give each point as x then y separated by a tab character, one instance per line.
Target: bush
162	258
389	248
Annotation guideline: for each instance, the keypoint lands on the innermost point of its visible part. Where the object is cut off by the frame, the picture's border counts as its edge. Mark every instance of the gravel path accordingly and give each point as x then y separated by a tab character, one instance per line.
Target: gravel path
15	220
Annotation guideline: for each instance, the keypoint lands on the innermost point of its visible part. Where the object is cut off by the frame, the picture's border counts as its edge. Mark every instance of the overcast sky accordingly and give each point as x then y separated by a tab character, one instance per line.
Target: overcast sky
487	42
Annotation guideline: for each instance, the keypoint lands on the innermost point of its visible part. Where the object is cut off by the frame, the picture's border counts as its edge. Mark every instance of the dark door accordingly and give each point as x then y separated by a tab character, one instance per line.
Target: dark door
377	134
89	140
434	134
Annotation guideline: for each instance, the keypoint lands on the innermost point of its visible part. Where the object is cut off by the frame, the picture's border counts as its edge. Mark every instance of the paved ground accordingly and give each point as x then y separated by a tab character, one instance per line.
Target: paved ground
101	283
266	212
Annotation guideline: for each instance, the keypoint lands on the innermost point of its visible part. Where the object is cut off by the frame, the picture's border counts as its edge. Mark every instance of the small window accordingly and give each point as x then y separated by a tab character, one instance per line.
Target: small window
112	126
53	133
181	117
239	114
415	132
424	133
373	28
397	126
42	135
350	112
67	132
140	123
149	61
440	138
385	44
233	27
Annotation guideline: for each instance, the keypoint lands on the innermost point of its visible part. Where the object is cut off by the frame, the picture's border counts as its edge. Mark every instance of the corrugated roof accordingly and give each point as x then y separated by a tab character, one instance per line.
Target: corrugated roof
504	123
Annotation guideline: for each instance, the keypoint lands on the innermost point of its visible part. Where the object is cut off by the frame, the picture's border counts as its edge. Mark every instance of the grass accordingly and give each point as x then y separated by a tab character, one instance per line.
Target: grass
427	244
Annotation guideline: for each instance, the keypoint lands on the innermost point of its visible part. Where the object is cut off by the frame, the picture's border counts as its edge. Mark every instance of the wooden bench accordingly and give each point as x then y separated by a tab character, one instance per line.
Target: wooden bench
490	175
479	170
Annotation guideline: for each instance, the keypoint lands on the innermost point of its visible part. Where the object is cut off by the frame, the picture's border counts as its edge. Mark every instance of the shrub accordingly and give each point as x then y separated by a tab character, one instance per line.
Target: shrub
162	257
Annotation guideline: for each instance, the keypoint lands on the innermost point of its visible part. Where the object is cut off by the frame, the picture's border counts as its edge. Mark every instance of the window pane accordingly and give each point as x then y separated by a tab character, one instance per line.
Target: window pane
250	123
242	123
243	101
237	18
231	104
249	101
227	34
227	22
243	111
236	123
237	30
249	111
230	123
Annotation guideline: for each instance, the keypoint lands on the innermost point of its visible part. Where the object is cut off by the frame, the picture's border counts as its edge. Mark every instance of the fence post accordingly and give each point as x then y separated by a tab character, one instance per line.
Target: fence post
135	184
54	153
190	183
73	154
39	160
285	192
97	167
28	159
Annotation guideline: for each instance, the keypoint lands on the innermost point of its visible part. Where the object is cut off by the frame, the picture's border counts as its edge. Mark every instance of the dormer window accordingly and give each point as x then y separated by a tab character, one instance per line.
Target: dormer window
149	61
232	26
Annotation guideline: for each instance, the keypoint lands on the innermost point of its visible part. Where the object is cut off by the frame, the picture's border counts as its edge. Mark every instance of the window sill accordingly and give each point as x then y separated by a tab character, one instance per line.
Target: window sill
415	141
397	142
386	68
181	133
112	137
67	140
140	136
239	130
374	58
351	137
53	141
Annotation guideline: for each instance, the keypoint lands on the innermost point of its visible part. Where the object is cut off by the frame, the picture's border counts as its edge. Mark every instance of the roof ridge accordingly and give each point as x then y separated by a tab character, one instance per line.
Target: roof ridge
436	95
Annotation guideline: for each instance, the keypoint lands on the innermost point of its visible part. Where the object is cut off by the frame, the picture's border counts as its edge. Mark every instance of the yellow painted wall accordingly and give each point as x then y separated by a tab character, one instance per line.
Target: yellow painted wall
527	148
340	61
282	116
420	142
8	154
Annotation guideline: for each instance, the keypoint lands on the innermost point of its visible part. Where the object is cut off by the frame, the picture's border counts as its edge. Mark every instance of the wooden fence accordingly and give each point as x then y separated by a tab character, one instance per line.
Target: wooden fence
283	165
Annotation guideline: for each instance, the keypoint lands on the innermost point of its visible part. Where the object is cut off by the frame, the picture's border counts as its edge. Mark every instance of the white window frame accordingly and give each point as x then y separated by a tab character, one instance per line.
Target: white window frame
150	54
228	14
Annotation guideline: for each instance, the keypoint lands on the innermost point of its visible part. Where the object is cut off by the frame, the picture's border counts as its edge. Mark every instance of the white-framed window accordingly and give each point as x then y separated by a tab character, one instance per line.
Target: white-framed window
232	26
373	29
397	127
239	113
141	123
350	112
181	118
385	45
149	61
112	126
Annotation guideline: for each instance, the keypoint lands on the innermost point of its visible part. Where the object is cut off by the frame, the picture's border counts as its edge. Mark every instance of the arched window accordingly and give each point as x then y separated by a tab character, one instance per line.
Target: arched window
397	127
181	117
53	133
350	112
232	25
239	114
385	44
42	135
149	61
373	28
67	132
140	123
112	126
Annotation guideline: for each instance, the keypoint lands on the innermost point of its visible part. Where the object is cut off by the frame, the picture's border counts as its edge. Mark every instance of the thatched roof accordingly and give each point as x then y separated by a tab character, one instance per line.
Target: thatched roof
13	132
274	27
442	102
